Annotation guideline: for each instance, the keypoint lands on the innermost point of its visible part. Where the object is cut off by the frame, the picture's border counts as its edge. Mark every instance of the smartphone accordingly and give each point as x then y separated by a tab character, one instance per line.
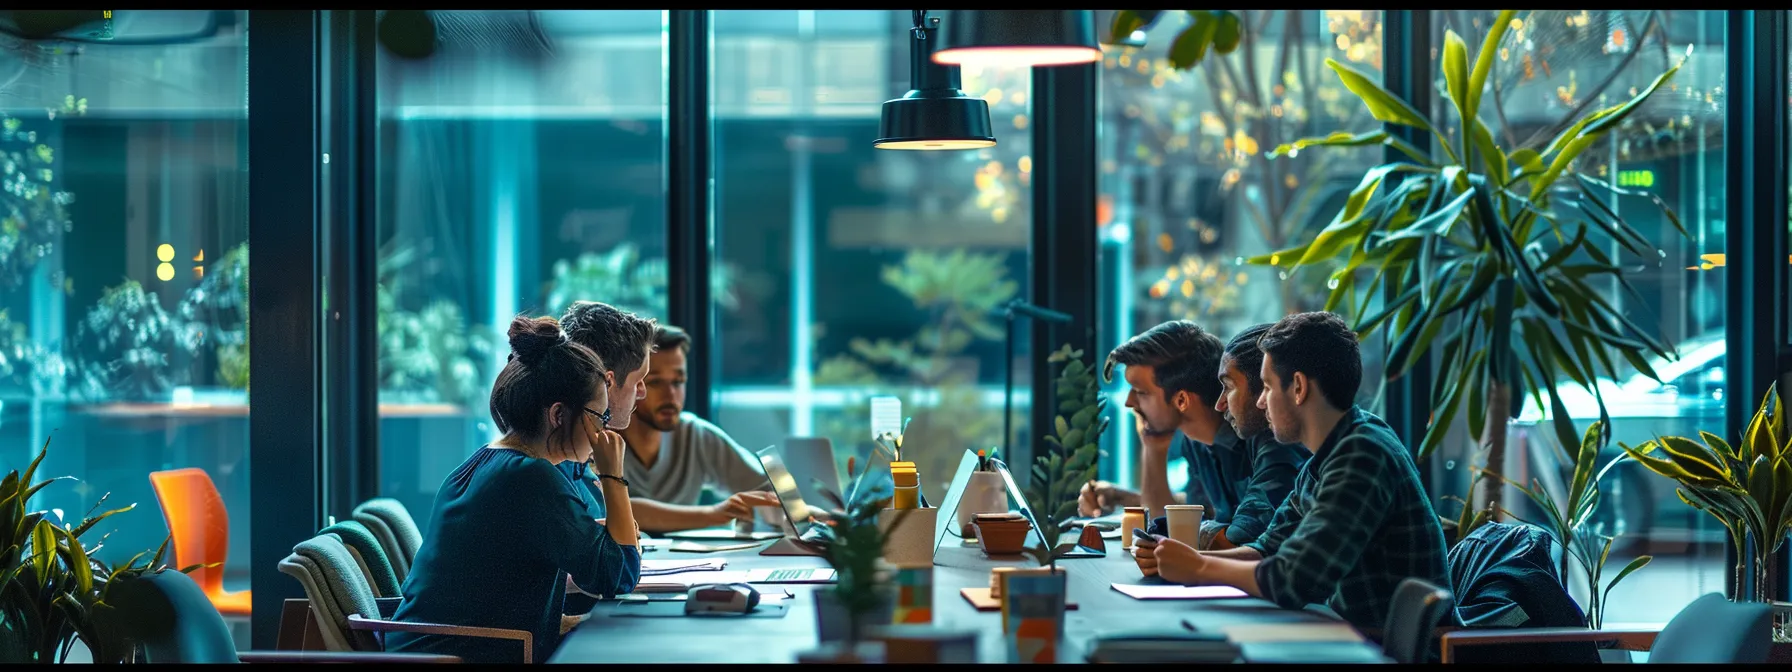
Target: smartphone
1140	536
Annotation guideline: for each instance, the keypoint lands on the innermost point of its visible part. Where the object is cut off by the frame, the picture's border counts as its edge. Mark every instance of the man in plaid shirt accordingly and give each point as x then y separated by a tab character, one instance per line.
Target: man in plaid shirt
1358	522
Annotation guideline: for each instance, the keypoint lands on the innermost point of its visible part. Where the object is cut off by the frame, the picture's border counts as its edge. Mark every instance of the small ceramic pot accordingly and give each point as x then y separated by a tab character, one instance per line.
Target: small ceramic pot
1002	537
833	624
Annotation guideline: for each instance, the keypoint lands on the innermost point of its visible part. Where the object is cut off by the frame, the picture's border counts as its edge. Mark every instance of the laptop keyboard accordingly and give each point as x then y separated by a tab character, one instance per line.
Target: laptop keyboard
788	575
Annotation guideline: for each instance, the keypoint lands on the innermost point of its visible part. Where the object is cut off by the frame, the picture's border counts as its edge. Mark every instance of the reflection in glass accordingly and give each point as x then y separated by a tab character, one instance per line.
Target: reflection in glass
520	169
123	275
859	271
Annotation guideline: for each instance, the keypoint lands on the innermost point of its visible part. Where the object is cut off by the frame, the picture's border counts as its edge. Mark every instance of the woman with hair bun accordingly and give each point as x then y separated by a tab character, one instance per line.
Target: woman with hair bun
508	527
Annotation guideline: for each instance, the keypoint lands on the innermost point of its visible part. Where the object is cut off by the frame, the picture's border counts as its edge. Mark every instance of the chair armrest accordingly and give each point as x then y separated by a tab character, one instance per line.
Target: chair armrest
357	622
364	657
1626	639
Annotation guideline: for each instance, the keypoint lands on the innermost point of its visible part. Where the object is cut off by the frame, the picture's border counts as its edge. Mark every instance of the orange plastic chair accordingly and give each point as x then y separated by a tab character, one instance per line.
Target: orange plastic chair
201	531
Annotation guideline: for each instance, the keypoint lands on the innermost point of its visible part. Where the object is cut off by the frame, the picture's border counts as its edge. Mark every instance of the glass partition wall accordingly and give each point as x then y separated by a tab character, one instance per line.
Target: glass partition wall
515	176
123	275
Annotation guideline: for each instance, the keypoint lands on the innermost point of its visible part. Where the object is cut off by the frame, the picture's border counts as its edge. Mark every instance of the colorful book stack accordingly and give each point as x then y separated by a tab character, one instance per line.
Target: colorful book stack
914	595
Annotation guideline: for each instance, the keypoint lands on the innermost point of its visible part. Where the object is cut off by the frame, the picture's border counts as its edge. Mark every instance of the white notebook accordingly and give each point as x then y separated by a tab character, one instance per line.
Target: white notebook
1174	592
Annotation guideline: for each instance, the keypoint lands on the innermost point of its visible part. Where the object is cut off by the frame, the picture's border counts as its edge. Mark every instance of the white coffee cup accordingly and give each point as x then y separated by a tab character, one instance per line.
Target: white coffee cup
1184	521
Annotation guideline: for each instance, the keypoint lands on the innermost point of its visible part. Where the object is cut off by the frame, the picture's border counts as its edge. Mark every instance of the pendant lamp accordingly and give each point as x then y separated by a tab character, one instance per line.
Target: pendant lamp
935	114
1019	37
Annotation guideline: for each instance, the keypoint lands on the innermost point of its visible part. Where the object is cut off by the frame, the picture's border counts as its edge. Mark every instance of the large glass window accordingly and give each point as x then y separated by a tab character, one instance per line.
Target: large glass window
1187	190
855	271
1555	67
123	270
521	168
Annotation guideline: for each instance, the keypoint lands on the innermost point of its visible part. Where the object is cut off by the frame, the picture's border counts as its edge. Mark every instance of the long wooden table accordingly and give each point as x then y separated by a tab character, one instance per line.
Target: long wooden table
605	639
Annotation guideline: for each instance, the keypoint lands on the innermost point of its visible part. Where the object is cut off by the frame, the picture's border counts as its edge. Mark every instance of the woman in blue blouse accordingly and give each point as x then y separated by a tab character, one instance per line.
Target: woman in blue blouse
508	527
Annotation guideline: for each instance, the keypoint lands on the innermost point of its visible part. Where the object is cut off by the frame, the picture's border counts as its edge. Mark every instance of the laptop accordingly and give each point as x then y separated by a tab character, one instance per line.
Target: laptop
796	510
811	460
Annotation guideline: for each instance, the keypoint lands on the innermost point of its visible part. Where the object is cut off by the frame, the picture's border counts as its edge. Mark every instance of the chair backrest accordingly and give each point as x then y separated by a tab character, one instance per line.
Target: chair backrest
397	531
336	588
1715	630
370	554
1416	609
199	526
169	616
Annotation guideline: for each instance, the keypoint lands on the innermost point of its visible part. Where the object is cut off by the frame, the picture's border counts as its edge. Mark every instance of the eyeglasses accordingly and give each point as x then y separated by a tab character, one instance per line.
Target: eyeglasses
603	417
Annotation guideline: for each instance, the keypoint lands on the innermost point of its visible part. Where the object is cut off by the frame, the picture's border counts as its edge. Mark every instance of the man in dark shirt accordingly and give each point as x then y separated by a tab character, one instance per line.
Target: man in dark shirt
1178	399
1358	521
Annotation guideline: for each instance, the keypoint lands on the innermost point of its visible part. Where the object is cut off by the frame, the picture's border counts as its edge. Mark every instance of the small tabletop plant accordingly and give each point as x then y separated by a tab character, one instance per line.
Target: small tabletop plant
1067	460
853	544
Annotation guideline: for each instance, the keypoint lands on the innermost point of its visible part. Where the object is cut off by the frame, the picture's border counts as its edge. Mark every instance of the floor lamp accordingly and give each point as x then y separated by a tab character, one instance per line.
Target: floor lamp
1012	309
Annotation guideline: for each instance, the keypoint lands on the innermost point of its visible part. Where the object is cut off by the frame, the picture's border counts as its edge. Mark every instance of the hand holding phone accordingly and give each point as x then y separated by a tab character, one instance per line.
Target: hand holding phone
1139	536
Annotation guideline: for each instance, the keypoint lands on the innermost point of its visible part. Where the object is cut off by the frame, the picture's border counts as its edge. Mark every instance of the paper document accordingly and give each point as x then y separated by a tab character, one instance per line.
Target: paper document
886	416
1248	633
1171	592
694	547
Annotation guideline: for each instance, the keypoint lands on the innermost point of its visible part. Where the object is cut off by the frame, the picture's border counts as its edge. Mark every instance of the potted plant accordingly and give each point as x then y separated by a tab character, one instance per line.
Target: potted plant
853	544
1489	253
1033	604
1747	488
1067	460
52	591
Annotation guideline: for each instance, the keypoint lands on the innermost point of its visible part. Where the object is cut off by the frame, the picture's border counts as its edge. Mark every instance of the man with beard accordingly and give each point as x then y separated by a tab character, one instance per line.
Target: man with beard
1358	521
1189	397
673	456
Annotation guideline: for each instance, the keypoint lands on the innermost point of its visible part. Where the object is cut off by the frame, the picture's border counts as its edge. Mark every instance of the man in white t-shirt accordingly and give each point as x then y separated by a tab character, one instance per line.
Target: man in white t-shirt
673	455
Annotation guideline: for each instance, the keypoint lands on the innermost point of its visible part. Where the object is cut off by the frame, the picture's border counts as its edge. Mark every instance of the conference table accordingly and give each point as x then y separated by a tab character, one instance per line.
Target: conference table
602	638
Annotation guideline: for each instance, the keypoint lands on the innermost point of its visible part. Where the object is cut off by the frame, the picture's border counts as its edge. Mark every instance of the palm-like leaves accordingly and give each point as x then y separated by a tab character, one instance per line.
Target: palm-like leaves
1568	519
52	590
1060	470
1453	234
1748	488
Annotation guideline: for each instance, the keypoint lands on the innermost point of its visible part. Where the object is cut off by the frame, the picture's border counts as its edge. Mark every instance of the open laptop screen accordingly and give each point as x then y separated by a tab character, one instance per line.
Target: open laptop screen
784	485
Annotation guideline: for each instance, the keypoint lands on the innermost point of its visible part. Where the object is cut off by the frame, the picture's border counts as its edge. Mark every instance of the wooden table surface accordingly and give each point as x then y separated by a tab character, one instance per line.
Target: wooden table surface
606	639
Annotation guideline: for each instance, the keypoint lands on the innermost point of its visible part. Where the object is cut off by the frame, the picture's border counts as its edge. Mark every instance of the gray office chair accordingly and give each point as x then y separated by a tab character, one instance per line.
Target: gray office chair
392	524
1418	607
348	616
1710	630
369	553
170	620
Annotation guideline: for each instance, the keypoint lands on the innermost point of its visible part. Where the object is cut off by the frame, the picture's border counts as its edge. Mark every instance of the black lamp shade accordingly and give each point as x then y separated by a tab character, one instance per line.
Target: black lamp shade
935	113
1018	37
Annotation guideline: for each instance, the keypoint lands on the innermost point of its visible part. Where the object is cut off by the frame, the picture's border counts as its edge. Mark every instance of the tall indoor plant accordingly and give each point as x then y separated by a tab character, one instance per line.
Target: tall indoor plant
1485	254
52	591
1747	488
